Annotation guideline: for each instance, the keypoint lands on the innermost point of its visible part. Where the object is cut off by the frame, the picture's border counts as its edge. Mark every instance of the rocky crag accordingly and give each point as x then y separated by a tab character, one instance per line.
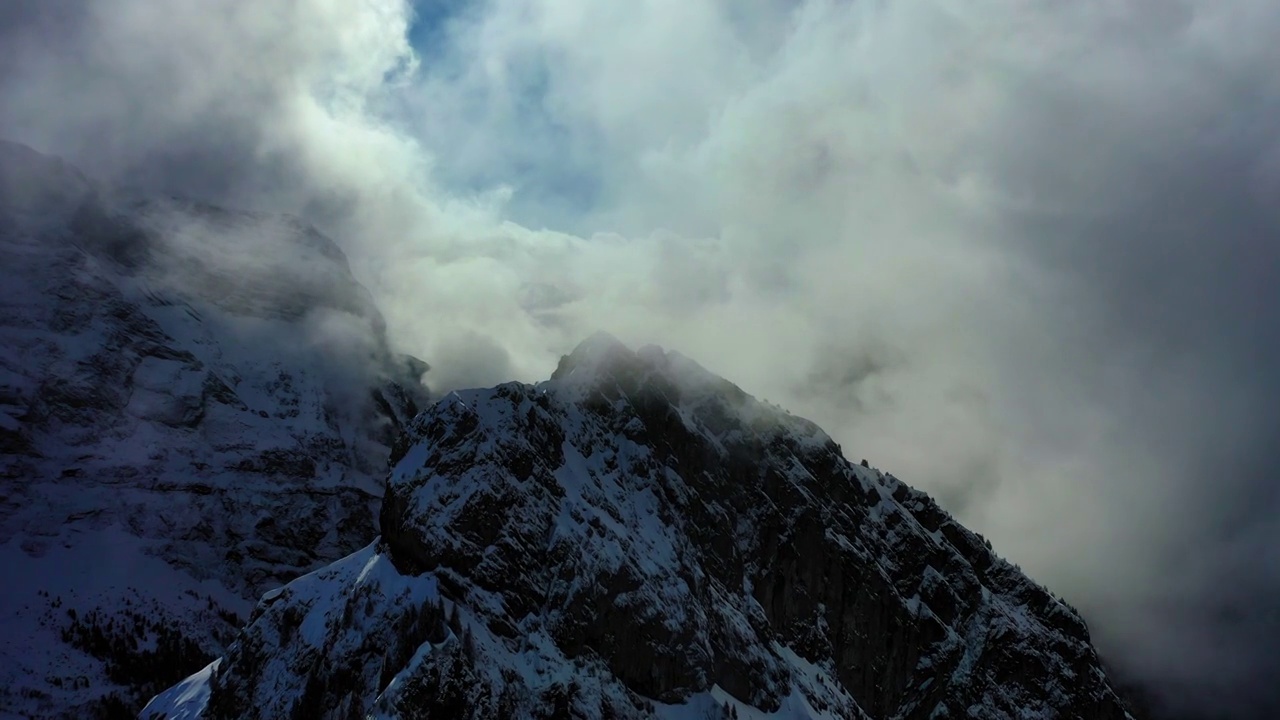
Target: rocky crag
196	406
638	538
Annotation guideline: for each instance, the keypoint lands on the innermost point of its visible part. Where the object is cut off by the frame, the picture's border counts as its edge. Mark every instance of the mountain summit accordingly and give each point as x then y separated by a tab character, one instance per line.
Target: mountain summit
637	537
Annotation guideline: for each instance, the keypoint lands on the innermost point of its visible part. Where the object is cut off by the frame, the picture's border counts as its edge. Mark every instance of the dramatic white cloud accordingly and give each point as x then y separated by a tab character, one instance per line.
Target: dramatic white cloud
1022	253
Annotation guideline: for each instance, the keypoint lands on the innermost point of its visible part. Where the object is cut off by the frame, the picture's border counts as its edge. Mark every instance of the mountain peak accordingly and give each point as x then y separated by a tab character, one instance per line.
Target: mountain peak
598	354
32	183
604	368
638	538
599	344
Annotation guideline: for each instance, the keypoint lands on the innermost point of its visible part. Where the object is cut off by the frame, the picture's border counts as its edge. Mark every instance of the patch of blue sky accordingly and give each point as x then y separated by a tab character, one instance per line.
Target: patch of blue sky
554	172
431	21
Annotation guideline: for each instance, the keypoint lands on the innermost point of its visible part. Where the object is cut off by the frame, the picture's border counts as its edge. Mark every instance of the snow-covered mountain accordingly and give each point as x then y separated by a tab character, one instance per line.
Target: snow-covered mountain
196	406
638	538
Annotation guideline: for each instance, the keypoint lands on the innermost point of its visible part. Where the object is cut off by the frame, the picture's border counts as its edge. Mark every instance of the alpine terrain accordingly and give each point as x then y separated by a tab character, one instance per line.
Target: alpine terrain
196	406
638	538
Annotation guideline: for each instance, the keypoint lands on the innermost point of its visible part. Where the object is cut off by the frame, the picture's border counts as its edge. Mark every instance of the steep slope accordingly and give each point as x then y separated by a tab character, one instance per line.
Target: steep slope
637	537
195	407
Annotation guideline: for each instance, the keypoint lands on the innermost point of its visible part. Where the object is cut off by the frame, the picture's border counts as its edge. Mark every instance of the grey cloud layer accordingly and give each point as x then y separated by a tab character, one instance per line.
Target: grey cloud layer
1021	253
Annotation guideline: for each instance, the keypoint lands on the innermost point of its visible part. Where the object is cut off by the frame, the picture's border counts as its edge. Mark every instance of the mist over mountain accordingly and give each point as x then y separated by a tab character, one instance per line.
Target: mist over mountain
1020	253
196	406
639	538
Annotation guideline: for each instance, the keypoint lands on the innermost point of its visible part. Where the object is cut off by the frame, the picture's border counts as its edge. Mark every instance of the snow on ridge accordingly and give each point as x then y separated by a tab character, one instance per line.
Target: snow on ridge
35	186
328	633
636	497
222	421
185	701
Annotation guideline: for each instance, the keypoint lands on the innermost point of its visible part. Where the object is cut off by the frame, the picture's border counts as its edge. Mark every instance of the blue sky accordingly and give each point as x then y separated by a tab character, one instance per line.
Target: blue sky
429	17
553	186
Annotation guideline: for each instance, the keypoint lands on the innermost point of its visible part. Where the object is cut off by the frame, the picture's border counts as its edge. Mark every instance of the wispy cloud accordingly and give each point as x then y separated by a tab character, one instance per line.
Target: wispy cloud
1022	254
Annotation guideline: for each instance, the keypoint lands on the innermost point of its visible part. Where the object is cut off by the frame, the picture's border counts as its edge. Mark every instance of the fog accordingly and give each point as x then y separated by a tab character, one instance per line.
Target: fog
1022	254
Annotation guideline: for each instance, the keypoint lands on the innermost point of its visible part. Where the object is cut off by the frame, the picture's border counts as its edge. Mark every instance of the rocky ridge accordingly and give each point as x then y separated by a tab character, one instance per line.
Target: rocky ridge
636	538
196	406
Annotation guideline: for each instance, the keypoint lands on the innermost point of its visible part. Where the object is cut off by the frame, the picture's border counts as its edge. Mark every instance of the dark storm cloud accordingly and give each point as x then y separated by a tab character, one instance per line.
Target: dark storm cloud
1022	254
1172	250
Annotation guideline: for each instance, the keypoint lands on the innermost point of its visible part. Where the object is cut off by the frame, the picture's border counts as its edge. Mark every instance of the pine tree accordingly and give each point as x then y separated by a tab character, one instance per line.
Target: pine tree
468	646
455	623
386	674
311	703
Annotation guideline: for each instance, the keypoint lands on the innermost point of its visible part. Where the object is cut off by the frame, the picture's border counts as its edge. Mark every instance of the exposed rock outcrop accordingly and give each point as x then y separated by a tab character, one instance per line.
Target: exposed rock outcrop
191	399
637	537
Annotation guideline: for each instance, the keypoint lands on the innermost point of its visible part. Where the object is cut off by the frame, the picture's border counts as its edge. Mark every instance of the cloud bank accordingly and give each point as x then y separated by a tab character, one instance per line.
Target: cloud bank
1021	253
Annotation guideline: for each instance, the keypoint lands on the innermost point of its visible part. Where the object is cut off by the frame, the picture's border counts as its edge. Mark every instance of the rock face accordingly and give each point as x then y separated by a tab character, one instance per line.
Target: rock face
637	537
195	407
